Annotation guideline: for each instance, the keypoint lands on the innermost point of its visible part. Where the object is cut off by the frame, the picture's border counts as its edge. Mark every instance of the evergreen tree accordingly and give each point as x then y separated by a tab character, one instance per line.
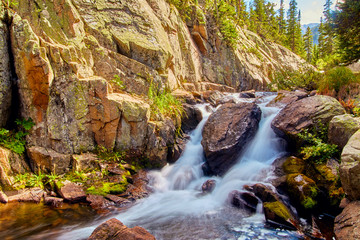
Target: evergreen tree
347	23
328	29
282	22
293	33
315	54
321	41
308	41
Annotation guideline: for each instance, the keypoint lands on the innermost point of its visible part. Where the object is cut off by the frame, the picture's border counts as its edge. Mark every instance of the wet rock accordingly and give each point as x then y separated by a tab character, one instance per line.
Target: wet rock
304	114
212	96
302	191
226	99
117	200
277	213
244	200
139	188
191	118
3	197
85	161
208	186
347	224
285	97
97	201
227	132
116	230
341	128
350	167
287	165
28	195
179	147
264	193
72	192
53	201
247	94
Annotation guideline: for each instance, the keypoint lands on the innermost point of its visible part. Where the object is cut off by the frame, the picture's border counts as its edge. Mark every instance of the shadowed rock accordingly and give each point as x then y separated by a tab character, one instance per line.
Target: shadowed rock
226	133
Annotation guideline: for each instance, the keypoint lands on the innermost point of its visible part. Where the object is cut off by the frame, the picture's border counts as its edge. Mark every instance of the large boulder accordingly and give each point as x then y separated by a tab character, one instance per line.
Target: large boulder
350	167
341	128
71	192
306	113
286	97
347	224
227	132
113	229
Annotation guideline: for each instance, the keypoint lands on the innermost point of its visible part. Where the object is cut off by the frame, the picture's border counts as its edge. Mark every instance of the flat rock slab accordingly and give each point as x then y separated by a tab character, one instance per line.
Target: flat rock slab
72	192
227	132
347	223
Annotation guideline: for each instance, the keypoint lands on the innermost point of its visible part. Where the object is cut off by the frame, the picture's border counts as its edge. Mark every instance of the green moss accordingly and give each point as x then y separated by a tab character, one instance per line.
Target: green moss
308	203
279	209
108	188
293	165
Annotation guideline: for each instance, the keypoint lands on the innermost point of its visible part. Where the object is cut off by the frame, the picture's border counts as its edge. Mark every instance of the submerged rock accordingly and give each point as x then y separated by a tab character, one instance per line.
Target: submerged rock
304	114
113	229
277	213
208	186
227	132
53	201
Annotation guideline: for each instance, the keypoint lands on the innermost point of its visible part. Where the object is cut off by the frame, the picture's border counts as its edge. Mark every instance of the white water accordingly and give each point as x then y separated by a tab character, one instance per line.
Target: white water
178	210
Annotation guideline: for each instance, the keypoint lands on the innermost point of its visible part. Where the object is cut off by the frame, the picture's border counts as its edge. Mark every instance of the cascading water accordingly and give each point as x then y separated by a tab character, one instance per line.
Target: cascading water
178	210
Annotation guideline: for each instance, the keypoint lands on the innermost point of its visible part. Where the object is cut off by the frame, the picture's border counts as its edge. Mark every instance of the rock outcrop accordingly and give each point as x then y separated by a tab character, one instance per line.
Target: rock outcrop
116	230
341	128
304	114
350	167
227	132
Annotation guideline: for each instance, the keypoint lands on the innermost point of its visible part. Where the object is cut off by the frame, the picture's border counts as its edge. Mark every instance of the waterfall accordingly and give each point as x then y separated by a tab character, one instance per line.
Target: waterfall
178	210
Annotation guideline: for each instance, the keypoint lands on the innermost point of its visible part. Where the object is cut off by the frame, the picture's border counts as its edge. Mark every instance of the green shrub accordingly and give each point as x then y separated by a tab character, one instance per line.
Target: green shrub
337	77
162	102
15	141
29	180
315	148
307	79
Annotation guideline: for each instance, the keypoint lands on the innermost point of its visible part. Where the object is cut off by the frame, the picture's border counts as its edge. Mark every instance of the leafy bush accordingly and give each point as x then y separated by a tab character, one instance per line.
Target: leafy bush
307	79
315	148
162	102
15	141
336	78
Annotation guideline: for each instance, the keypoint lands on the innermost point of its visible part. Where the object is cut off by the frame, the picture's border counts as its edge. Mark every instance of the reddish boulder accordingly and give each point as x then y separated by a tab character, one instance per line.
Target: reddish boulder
208	186
72	192
227	132
113	229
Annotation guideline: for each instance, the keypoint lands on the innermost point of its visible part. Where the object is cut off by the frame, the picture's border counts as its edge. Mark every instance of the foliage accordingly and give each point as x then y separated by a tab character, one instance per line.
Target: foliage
347	28
118	82
29	180
336	78
110	155
162	102
315	148
307	78
308	40
15	141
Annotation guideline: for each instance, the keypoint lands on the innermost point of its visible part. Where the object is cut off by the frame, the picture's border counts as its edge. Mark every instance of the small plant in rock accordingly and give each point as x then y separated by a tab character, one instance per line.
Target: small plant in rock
118	82
110	155
29	180
162	102
315	148
15	141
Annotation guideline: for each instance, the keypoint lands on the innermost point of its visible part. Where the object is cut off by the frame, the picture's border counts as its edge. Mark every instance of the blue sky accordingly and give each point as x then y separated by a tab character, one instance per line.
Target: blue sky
311	10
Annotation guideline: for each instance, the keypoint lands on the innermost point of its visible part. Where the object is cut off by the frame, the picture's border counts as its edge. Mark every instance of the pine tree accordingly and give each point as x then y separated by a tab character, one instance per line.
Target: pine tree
347	22
328	29
282	22
321	41
308	41
291	25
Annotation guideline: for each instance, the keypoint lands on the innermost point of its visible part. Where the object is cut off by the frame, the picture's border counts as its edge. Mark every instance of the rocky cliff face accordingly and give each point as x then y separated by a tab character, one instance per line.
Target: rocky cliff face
67	54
